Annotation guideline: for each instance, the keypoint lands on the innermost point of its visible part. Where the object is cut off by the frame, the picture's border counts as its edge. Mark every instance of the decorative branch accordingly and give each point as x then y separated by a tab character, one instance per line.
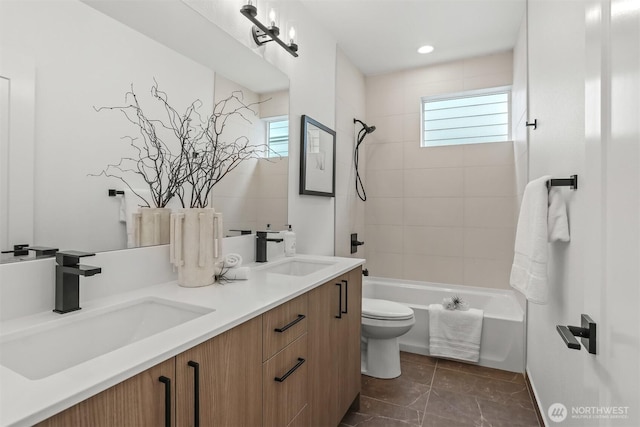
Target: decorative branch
204	154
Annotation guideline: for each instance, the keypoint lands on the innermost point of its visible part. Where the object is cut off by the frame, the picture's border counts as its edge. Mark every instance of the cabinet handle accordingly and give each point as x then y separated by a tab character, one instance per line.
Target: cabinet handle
196	392
290	371
167	400
287	326
346	296
339	316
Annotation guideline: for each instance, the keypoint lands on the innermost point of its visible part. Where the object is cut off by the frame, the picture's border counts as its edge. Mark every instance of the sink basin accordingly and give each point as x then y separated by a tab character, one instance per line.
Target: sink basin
295	267
42	351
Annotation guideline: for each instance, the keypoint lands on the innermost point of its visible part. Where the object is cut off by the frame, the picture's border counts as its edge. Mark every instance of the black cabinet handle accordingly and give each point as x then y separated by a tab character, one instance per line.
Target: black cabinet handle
339	316
346	296
167	400
196	392
290	371
287	326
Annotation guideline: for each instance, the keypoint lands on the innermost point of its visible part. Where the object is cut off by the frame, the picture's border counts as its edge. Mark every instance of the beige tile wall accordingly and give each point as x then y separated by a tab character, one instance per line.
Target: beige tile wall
437	214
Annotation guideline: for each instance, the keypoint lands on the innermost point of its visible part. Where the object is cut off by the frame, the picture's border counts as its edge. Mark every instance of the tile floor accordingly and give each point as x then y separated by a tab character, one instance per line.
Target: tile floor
442	393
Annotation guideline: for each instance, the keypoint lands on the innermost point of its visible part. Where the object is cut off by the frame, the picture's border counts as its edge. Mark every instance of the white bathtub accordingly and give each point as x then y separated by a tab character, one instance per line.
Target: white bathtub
502	344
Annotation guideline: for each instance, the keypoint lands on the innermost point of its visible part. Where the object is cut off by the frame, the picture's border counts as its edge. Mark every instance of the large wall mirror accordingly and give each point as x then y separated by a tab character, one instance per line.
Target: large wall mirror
78	56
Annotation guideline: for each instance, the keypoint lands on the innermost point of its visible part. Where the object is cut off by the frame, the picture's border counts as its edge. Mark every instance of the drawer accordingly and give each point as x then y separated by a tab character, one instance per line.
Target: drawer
286	396
283	325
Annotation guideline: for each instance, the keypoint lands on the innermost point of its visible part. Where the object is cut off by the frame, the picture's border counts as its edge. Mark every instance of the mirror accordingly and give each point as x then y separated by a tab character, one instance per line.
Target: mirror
255	194
80	59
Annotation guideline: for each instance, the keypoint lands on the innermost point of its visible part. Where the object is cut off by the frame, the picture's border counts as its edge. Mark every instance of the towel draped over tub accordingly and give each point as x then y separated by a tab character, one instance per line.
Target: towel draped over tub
455	334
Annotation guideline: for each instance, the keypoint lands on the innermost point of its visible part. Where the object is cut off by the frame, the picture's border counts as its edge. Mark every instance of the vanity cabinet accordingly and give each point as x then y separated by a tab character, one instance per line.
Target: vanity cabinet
138	401
285	374
334	348
218	381
297	365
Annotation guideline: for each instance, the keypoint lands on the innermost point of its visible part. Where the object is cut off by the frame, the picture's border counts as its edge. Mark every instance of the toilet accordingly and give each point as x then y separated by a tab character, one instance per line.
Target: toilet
382	323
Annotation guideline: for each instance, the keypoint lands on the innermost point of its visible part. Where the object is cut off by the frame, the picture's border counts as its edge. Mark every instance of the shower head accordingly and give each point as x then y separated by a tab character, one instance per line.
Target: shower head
367	129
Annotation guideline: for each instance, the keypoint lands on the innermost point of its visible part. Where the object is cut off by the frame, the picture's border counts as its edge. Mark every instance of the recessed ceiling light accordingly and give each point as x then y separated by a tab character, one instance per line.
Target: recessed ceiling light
426	49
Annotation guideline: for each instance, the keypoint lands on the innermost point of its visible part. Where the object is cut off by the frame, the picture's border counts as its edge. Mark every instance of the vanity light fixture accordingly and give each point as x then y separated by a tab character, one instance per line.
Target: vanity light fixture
426	49
263	34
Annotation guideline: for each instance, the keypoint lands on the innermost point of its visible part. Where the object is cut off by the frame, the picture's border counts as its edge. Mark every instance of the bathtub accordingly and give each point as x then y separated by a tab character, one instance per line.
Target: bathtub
502	344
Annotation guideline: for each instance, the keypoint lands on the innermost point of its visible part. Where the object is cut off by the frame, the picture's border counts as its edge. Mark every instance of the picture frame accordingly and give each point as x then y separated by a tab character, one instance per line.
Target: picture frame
317	158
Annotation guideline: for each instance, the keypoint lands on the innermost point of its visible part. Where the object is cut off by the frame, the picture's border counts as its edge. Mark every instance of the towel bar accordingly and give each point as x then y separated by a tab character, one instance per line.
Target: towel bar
587	334
571	182
114	193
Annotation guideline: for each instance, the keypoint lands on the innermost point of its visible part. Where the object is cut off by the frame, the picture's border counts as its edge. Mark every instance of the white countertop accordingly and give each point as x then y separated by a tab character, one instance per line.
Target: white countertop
25	402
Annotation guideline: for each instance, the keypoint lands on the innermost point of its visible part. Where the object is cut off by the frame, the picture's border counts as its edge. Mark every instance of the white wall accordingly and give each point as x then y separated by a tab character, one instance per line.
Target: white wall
584	80
438	214
84	59
350	104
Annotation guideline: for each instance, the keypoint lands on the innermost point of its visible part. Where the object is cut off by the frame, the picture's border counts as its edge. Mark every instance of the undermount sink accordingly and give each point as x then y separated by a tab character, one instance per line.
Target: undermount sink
295	267
42	351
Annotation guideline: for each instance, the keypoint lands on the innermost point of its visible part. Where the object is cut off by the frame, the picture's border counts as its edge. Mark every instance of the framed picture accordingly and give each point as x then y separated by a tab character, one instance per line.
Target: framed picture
317	159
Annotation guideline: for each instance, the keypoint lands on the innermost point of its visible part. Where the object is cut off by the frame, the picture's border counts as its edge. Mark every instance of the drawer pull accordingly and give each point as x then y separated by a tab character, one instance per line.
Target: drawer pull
167	400
284	328
339	316
290	371
346	297
196	392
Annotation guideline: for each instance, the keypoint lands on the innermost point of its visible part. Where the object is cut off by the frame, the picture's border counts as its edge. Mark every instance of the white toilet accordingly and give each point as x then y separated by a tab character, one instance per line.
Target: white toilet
382	323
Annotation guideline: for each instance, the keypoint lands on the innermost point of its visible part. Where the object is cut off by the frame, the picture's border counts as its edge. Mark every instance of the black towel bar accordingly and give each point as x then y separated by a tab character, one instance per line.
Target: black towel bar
114	193
564	182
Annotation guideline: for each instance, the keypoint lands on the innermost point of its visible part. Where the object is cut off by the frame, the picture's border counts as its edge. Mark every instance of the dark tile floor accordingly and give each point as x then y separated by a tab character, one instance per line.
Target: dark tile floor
443	393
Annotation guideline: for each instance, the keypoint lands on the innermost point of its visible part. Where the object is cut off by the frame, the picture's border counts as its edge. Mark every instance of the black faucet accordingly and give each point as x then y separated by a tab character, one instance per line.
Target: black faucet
68	272
261	244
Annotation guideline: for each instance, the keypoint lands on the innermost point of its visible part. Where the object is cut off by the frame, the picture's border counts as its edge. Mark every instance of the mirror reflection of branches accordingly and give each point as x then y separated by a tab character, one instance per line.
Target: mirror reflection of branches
201	154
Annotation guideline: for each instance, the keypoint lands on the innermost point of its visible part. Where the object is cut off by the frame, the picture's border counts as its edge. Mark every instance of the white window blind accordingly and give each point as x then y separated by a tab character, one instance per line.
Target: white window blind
466	118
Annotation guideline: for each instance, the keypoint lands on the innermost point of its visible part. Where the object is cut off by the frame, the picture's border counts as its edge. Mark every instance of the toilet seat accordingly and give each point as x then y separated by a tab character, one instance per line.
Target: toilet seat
380	309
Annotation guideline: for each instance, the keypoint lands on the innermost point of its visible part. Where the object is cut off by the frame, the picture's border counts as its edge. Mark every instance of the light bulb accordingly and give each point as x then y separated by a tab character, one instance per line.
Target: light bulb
292	34
272	17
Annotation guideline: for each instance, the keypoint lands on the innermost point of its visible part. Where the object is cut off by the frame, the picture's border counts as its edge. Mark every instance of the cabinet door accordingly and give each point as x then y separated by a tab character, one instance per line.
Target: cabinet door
285	384
324	310
349	342
138	401
220	381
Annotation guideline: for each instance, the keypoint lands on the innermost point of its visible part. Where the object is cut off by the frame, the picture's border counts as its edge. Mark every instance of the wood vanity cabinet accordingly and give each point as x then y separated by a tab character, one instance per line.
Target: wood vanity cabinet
334	348
228	369
297	365
285	373
138	401
220	379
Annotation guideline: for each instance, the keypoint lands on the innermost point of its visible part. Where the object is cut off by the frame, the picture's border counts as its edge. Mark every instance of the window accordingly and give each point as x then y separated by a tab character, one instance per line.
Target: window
278	137
466	118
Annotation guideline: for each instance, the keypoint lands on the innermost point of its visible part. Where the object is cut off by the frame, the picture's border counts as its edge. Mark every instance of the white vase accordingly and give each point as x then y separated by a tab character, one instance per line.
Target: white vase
152	226
196	245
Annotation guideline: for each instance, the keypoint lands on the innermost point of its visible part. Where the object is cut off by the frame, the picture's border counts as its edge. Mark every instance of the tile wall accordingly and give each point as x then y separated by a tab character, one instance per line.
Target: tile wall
437	214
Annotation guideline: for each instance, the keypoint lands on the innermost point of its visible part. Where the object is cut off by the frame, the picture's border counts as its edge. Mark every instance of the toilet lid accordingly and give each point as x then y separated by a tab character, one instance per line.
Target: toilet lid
385	310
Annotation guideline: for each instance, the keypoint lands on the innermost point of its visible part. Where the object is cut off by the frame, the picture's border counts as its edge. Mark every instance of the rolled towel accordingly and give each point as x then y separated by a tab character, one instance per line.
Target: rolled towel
233	260
237	273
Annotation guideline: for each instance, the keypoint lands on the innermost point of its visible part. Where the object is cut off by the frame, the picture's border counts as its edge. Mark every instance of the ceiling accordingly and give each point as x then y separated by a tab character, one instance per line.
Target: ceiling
381	36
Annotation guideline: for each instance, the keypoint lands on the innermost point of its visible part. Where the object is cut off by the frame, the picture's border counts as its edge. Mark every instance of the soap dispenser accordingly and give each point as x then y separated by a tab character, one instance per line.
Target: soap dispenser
289	242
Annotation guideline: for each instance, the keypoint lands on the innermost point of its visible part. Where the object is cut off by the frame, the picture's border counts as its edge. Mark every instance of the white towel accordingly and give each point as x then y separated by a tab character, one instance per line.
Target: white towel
129	204
455	334
529	270
233	260
557	217
236	273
